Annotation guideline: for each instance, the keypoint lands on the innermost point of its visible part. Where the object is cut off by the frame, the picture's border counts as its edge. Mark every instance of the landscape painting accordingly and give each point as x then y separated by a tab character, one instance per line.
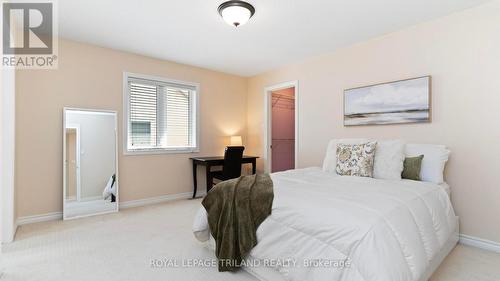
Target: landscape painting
405	101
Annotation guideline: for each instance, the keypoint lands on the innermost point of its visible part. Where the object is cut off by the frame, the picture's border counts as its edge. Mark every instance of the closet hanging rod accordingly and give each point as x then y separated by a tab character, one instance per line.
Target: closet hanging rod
283	97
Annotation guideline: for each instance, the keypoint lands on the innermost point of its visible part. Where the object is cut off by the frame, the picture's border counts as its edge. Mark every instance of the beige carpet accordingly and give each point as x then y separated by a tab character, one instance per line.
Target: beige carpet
121	247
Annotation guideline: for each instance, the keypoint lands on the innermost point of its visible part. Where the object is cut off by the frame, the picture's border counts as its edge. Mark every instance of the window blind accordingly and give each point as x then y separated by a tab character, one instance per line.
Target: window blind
161	116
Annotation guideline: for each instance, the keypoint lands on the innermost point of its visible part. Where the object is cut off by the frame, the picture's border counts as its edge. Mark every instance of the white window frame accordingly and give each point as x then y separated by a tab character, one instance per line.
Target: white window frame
195	109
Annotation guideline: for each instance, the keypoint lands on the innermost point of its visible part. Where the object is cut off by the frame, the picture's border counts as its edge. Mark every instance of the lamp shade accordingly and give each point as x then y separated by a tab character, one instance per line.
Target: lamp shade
236	12
236	141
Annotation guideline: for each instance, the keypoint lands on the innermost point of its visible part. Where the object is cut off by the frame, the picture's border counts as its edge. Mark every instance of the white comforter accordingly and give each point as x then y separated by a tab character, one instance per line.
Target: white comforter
387	230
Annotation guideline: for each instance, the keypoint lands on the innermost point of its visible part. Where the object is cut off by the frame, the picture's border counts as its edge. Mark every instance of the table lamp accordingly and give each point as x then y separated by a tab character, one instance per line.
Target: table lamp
236	141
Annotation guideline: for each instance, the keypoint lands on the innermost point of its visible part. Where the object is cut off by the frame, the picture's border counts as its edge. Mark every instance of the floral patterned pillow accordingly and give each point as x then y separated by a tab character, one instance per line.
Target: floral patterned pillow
356	159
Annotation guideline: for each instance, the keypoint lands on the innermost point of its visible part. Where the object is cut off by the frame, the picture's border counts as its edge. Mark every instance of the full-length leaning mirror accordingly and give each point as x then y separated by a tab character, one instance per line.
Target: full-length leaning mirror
90	165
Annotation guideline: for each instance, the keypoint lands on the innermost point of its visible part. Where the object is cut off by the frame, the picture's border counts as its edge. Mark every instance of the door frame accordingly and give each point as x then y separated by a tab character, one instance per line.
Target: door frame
268	121
8	225
78	163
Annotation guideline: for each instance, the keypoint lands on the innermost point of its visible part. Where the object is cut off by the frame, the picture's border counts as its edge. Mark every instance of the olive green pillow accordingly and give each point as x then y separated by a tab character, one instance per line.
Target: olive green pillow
412	166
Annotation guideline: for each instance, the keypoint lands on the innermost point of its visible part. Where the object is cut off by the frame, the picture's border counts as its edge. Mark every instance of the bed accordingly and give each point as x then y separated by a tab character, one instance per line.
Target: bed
329	227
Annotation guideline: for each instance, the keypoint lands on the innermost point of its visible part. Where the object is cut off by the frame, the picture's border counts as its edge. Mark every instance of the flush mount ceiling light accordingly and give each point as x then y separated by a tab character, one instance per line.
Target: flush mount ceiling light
235	12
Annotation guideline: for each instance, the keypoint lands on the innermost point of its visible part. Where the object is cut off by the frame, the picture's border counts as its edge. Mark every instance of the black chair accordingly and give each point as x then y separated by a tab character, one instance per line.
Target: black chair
232	164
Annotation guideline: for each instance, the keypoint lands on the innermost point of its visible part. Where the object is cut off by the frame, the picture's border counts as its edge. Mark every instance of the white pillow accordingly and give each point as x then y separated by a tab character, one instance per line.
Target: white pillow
435	157
389	159
330	161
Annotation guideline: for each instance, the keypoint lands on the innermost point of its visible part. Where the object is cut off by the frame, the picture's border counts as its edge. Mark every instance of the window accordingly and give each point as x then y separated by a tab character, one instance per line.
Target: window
161	115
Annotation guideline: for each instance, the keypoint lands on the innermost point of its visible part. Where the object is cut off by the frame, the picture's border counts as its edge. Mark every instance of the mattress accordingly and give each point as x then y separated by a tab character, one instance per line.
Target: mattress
386	230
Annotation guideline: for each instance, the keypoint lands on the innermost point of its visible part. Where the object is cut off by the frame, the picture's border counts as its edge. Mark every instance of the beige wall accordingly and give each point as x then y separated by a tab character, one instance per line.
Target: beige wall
462	53
91	77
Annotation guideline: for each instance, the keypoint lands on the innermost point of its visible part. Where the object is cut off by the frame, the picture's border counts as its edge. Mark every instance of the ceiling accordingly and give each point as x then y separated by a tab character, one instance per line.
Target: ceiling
281	31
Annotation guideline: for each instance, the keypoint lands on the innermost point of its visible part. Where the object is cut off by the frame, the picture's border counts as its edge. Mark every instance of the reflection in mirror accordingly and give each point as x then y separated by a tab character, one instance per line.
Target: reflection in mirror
90	168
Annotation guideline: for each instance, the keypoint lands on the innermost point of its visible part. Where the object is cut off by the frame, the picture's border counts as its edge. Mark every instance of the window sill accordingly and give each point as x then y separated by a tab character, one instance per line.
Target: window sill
160	151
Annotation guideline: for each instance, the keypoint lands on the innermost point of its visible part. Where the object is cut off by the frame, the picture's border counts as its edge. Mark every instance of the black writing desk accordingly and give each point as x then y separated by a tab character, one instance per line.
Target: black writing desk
212	161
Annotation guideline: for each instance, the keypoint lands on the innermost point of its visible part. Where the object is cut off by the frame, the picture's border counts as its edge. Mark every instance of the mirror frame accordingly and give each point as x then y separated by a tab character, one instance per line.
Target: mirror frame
65	110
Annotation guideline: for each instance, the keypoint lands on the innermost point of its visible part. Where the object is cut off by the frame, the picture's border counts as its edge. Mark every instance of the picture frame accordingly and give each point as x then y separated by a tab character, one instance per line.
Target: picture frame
397	102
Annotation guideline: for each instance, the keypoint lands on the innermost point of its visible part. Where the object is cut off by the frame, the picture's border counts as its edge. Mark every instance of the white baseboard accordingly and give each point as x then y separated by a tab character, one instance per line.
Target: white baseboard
123	205
479	243
154	200
39	218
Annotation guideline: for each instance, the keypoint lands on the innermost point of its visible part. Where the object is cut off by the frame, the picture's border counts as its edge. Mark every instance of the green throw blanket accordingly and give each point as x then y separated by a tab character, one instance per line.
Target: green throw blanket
235	210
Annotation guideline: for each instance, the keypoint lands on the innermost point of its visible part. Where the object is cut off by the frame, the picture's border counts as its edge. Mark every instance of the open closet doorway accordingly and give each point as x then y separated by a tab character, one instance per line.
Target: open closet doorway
281	144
